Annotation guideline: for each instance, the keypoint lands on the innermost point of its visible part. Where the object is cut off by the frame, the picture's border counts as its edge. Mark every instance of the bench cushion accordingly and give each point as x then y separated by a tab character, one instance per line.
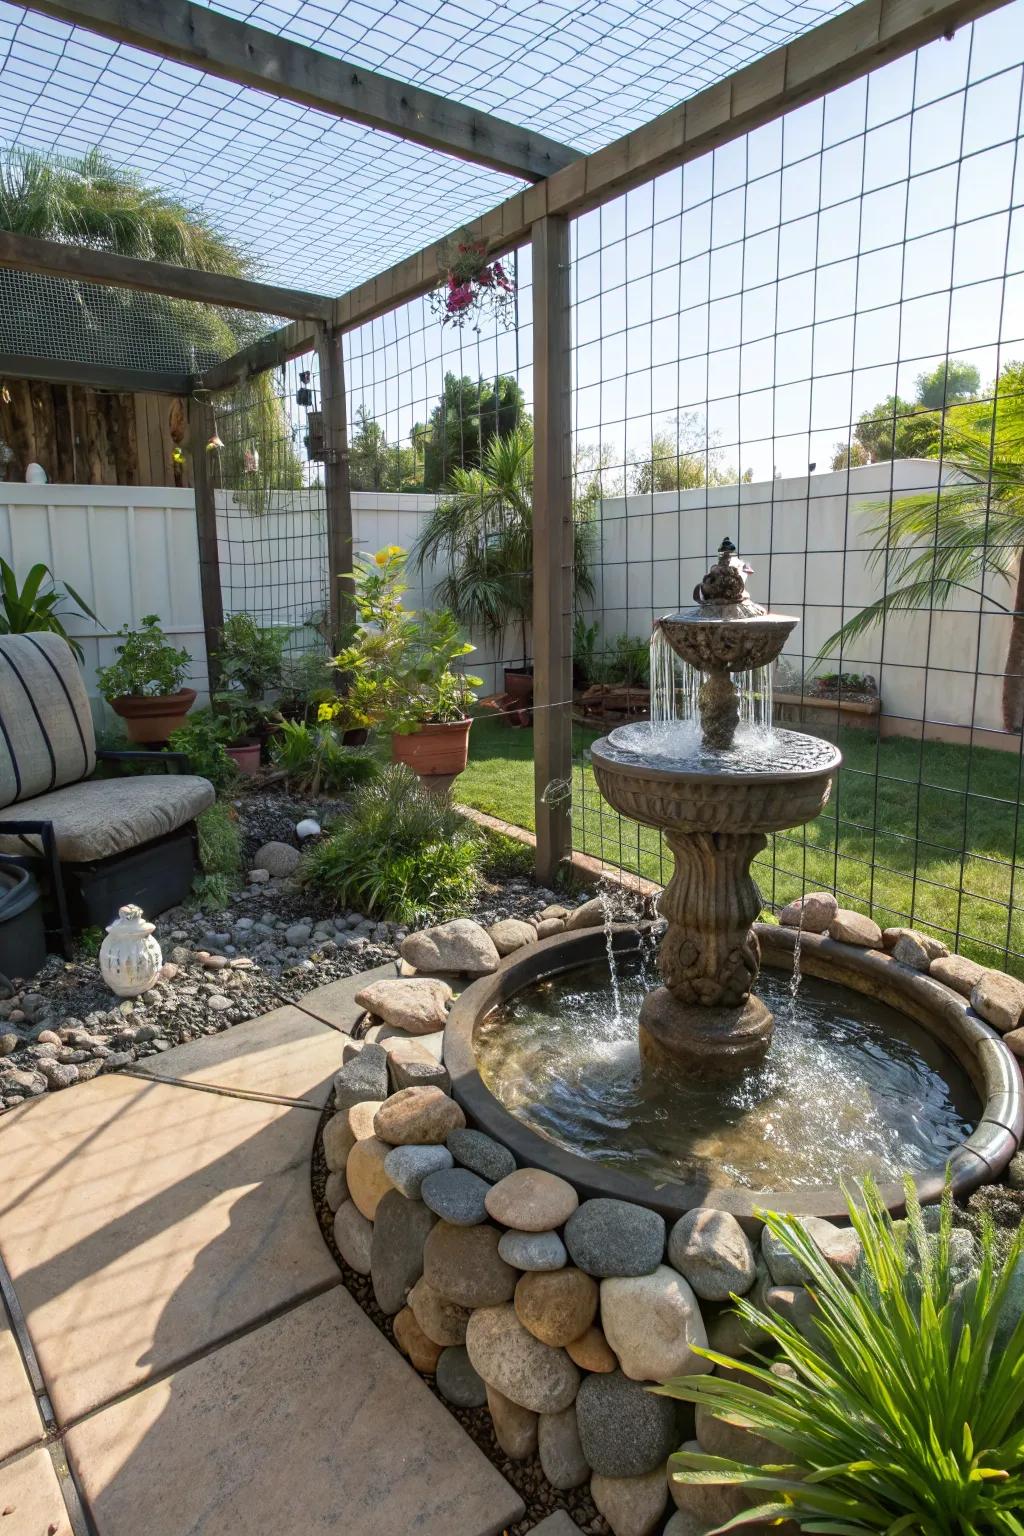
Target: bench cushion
108	816
46	733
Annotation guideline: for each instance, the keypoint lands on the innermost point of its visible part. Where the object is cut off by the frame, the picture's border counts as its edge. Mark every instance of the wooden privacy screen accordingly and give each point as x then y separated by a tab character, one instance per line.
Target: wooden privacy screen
91	437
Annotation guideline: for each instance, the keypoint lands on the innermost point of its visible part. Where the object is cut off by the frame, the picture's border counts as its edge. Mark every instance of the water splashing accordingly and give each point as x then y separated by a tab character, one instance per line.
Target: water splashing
796	978
608	915
675	726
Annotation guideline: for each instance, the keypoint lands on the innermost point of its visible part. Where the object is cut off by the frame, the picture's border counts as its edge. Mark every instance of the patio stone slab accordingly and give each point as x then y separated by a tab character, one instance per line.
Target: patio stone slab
30	1490
311	1423
286	1054
20	1424
335	1004
143	1222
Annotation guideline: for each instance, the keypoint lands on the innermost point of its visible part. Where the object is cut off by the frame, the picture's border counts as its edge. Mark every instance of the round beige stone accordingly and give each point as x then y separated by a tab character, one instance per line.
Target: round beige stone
412	1341
652	1322
557	1305
508	1357
632	1506
592	1352
515	1428
854	928
368	1183
417	1117
442	1320
531	1200
999	999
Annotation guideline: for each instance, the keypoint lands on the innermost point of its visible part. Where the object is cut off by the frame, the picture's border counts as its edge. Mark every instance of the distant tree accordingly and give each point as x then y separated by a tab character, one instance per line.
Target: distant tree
947	383
849	455
463	422
898	429
681	457
374	463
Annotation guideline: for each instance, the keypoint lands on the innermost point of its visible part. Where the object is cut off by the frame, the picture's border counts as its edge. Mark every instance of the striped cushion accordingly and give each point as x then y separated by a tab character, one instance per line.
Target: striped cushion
46	731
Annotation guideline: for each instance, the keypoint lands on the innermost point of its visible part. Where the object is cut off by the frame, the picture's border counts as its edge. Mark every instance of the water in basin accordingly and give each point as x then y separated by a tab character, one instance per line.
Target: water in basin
849	1087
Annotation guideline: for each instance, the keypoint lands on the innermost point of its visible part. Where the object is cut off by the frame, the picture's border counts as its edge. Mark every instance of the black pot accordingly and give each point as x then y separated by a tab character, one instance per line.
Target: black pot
358	736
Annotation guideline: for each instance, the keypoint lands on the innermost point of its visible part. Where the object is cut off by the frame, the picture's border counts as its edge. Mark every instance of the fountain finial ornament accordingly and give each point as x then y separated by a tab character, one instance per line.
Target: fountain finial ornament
715	808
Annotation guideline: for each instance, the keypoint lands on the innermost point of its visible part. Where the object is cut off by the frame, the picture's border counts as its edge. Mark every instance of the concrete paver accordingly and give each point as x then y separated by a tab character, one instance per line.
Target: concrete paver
20	1424
30	1498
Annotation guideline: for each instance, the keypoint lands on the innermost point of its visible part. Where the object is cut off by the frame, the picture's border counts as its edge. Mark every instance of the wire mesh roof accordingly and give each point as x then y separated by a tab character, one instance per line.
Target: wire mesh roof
321	203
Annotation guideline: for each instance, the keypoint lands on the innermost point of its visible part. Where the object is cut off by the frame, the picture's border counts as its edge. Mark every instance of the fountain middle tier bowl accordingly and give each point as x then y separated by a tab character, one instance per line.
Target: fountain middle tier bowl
722	636
663	777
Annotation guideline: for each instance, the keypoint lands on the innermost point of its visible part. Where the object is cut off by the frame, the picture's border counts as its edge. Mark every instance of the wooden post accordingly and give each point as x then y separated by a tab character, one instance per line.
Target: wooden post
552	544
338	491
201	427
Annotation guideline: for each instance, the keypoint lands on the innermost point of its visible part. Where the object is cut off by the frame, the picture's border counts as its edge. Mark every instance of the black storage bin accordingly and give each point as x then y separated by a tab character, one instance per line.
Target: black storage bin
155	876
22	934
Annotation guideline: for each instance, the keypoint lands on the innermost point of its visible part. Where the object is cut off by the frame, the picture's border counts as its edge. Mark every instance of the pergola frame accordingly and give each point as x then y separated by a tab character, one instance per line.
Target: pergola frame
841	50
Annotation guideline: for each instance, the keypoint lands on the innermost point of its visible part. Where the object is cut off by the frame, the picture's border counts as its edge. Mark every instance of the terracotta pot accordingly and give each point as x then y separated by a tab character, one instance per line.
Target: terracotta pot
356	737
434	750
246	758
154	719
519	682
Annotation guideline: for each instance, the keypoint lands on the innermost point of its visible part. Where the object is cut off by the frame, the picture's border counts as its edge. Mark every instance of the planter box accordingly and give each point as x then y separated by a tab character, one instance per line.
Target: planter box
816	710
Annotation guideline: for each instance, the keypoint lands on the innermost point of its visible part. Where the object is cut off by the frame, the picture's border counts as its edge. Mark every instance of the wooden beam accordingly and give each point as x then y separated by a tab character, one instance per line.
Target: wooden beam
201	427
338	490
51	370
271	351
235	50
552	544
843	49
55	259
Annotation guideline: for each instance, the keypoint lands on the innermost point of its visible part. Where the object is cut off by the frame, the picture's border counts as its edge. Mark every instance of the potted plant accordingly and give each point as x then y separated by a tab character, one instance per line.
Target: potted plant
245	725
252	665
144	684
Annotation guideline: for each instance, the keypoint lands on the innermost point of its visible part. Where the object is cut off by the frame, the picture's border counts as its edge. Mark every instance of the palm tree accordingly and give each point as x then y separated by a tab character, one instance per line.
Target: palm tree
933	545
89	201
483	530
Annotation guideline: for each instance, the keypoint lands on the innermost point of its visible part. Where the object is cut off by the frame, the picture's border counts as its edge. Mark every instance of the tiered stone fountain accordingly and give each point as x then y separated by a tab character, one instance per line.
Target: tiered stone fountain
716	806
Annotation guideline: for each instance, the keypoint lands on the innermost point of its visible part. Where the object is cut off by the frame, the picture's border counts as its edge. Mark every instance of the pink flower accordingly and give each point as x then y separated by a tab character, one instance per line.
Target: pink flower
459	298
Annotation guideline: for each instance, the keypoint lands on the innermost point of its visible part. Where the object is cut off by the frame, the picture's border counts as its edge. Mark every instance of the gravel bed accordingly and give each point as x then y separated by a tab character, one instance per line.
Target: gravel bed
274	942
526	1477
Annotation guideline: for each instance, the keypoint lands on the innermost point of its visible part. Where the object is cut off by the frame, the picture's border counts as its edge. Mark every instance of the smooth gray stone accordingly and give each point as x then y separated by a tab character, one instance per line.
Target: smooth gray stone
533	1250
625	1430
457	1381
456	1195
364	1076
609	1238
481	1154
408	1166
400	1229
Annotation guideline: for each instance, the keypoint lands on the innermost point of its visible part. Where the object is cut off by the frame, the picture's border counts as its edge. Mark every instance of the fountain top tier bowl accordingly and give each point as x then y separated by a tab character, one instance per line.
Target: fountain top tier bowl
726	630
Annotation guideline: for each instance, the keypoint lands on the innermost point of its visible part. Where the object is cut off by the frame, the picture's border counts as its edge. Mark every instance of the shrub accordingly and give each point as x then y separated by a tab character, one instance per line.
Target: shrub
220	855
504	858
400	854
147	665
202	739
34	607
315	760
252	658
903	1411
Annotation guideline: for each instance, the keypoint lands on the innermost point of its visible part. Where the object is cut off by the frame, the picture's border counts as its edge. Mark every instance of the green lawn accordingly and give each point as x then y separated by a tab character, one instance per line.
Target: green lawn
919	833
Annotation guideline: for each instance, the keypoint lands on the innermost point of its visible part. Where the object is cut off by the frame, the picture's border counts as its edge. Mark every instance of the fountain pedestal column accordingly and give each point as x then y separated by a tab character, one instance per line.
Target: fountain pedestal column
705	1017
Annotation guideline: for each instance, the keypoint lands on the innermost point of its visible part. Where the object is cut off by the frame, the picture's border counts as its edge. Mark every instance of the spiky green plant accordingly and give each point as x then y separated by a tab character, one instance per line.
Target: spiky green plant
316	760
38	605
903	1410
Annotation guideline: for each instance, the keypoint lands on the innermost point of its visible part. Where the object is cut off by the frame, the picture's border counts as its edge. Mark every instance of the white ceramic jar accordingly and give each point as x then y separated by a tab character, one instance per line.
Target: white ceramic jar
130	958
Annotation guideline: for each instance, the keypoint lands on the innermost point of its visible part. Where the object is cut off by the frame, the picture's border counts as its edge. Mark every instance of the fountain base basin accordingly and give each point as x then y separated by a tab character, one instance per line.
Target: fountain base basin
710	1042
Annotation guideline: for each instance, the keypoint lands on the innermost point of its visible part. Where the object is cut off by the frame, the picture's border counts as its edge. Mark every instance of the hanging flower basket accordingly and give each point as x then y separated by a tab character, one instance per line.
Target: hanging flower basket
473	286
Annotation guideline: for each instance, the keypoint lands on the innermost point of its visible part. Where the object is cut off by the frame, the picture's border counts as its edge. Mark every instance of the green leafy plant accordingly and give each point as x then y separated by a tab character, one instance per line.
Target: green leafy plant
243	720
147	665
35	607
627	661
584	651
308	681
503	857
202	738
251	657
90	940
400	854
315	760
902	1411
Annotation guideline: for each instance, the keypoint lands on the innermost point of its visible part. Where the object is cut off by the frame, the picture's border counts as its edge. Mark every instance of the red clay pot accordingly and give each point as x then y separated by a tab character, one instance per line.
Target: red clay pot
246	758
519	682
434	750
154	719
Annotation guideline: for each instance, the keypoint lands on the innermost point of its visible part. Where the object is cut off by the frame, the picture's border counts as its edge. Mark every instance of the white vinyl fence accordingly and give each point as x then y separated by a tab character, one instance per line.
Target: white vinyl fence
131	551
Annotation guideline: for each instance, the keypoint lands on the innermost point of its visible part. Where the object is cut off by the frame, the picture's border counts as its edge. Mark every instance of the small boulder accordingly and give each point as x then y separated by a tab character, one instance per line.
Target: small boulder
278	859
614	1237
840	1245
958	972
336	1189
561	1455
795	1304
457	1381
590	915
417	1116
934	948
515	1428
510	934
417	1004
702	1506
652	1323
632	1506
400	1229
549	926
461	947
409	1070
592	1352
367	1177
1014	1042
813	912
713	1252
625	1430
463	1264
364	1076
353	1235
911	952
854	928
442	1320
533	1251
407	1167
999	1000
423	1353
456	1195
531	1200
510	1358
481	1154
557	1306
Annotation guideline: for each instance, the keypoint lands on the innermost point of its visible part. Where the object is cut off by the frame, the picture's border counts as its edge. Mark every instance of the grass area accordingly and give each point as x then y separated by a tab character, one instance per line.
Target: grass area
916	832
